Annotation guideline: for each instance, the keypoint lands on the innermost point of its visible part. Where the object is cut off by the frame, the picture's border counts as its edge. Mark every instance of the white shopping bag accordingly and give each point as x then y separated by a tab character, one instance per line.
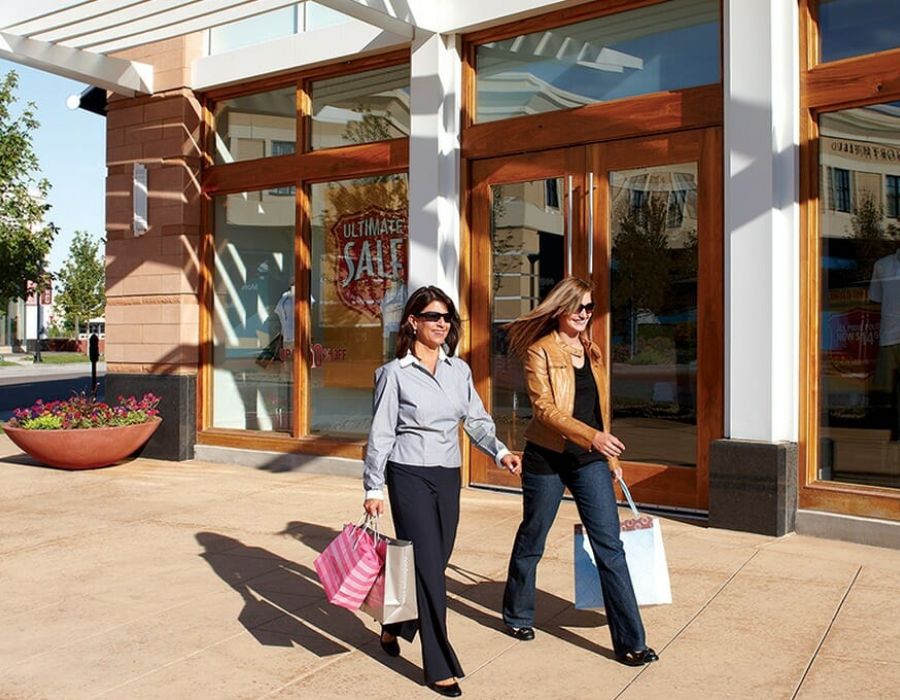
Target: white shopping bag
644	552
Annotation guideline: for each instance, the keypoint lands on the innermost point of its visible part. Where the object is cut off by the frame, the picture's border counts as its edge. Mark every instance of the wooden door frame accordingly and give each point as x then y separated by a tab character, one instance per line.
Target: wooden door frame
685	487
485	174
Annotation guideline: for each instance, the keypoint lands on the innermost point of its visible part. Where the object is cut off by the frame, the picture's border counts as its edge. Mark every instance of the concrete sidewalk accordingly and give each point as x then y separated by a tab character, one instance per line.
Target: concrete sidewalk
192	580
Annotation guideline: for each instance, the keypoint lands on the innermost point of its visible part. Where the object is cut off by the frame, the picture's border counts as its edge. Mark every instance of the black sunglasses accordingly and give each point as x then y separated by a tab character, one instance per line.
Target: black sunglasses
589	307
434	316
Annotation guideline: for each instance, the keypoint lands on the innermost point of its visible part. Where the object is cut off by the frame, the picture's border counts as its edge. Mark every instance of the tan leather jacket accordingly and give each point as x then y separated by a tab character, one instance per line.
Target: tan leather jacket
551	387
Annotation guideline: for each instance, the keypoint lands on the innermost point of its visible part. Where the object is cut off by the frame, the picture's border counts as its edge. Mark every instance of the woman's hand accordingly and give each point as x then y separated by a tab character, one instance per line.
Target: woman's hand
607	444
512	462
374	506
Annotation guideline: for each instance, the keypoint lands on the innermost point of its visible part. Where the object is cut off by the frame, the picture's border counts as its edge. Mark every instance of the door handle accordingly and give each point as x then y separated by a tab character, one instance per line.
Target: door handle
590	226
568	232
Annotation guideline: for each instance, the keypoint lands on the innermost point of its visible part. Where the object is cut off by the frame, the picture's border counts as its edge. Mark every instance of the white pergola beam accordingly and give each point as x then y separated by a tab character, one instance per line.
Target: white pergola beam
287	53
123	77
178	23
393	16
15	13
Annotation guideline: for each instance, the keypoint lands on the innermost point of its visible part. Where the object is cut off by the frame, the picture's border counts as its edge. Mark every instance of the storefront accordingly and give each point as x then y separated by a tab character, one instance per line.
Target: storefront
726	172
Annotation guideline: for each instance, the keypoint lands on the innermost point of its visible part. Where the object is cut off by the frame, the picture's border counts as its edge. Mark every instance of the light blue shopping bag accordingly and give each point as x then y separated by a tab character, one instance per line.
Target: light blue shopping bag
644	552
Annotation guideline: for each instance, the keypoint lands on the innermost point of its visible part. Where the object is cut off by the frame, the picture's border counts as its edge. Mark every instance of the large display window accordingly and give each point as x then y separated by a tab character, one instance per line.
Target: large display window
859	381
850	345
306	256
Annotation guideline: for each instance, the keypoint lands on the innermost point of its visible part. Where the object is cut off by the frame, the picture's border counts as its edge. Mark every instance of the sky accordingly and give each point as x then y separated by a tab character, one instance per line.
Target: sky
71	149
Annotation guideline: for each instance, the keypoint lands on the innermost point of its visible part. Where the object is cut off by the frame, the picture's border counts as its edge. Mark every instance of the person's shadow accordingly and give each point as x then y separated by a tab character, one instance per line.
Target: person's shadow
284	604
471	593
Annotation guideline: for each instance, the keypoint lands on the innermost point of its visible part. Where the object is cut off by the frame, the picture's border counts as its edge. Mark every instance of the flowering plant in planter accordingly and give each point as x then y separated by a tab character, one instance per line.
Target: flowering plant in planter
82	433
82	411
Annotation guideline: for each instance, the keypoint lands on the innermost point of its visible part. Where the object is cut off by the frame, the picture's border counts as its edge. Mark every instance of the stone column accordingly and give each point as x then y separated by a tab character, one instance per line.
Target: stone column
152	313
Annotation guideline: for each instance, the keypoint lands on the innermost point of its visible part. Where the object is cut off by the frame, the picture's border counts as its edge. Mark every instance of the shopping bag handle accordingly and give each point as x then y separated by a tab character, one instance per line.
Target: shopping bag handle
628	497
373	524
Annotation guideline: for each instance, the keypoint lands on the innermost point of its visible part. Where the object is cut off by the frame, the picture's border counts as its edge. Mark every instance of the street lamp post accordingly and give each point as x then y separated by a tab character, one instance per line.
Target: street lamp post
40	322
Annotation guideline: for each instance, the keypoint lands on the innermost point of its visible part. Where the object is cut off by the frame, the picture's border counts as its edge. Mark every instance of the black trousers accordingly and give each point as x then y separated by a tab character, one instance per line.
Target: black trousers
425	509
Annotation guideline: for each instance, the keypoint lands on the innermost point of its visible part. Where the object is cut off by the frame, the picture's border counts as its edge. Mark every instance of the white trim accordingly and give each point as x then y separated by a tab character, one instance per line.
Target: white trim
470	15
762	231
322	46
434	196
118	75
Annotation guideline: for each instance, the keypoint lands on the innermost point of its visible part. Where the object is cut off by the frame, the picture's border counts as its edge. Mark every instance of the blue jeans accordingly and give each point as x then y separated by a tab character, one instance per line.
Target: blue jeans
592	488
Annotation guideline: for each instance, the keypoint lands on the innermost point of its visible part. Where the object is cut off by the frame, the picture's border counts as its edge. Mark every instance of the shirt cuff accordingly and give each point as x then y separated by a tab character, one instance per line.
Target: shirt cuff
375	493
500	455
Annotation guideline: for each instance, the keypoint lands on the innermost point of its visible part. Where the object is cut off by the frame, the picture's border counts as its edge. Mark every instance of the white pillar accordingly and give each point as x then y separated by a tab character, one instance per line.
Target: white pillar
436	72
761	85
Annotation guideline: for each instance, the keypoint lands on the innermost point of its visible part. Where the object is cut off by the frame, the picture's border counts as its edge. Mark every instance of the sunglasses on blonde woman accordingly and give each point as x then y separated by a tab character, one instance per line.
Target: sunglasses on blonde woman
589	307
434	316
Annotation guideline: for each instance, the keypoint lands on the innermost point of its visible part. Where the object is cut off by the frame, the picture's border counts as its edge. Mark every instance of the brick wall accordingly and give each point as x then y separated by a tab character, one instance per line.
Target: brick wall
152	309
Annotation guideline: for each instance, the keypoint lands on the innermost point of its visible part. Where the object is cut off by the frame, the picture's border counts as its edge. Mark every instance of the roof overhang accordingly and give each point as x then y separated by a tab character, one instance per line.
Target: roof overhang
78	38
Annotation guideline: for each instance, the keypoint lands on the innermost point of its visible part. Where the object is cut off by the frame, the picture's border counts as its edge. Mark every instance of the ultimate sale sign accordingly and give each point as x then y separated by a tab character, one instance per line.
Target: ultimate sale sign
371	247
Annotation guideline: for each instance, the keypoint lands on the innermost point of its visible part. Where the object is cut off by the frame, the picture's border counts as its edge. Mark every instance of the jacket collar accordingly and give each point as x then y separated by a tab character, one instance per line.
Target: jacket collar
564	346
411	359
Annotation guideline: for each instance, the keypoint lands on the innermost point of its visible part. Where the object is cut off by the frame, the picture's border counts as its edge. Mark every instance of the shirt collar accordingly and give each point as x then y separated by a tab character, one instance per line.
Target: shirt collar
411	359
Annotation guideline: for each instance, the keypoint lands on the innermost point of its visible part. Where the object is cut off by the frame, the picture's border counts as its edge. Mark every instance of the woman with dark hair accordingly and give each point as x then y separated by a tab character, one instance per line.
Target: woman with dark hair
420	399
569	444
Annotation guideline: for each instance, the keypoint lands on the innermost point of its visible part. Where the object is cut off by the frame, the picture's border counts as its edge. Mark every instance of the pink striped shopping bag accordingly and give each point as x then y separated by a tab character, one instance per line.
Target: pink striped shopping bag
349	566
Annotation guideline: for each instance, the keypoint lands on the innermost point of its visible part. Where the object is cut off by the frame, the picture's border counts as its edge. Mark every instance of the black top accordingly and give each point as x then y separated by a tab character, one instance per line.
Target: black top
540	460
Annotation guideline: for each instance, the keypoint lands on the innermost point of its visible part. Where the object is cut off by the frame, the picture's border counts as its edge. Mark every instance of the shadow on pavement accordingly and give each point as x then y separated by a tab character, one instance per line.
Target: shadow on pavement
284	605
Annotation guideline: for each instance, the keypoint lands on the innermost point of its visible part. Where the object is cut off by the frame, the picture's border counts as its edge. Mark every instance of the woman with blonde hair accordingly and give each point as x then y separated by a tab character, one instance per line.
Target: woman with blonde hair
569	444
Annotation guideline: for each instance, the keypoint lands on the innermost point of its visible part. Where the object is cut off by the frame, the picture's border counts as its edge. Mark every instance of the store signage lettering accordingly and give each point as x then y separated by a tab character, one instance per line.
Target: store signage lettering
372	246
853	342
867	151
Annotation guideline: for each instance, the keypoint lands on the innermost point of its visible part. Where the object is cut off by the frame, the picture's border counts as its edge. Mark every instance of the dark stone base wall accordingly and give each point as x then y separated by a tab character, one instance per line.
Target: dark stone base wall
175	438
753	486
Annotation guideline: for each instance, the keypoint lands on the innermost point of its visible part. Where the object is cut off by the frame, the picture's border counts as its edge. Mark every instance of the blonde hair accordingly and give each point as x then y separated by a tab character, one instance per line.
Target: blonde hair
564	298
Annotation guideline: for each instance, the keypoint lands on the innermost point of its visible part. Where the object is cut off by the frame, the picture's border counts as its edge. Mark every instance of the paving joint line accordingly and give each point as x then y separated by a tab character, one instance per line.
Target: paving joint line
818	648
689	622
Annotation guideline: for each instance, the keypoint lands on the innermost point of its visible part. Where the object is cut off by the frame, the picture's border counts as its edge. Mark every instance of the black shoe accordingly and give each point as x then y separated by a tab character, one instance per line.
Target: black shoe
638	658
523	634
391	648
449	691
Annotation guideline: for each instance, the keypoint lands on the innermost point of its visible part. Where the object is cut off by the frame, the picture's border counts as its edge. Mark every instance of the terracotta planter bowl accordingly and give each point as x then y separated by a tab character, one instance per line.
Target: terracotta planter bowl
82	449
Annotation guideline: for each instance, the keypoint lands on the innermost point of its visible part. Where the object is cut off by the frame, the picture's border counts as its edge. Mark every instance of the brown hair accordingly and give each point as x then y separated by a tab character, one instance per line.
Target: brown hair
417	301
564	298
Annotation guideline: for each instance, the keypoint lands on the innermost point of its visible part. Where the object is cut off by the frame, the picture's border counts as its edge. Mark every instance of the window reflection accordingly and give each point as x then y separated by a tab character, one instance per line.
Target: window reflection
653	300
359	273
253	313
256	126
665	46
361	108
859	160
527	236
856	27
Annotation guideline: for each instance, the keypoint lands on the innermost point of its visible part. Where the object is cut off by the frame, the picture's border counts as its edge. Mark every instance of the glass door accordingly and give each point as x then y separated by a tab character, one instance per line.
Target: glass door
527	224
641	218
658	257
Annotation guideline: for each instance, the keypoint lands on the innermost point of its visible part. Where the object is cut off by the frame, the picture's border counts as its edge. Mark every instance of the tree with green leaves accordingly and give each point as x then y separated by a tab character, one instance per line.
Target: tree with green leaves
25	237
82	282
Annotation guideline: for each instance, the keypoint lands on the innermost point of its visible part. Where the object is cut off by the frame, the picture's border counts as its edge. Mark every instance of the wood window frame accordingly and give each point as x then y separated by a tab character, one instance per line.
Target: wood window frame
300	169
829	87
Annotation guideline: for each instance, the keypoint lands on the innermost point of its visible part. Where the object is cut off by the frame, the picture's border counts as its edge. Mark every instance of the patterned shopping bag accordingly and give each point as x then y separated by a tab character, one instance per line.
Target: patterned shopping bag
349	566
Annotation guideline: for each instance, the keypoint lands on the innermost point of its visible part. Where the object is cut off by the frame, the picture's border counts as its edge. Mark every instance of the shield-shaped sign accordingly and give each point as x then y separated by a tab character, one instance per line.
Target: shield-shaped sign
853	342
371	256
